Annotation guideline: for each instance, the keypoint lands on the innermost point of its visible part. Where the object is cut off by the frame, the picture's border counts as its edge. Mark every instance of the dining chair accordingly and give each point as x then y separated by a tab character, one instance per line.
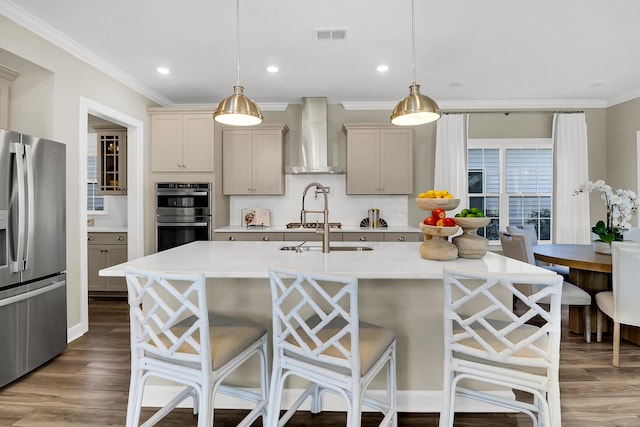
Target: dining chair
318	337
487	346
532	236
174	337
517	246
621	303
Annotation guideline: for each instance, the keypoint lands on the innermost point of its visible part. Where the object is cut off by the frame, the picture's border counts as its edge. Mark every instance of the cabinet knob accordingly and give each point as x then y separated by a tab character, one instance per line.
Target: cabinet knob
401	239
90	238
363	238
120	238
266	238
232	238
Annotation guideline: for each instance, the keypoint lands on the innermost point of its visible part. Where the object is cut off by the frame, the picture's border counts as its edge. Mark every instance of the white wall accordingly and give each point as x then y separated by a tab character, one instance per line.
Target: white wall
50	109
349	210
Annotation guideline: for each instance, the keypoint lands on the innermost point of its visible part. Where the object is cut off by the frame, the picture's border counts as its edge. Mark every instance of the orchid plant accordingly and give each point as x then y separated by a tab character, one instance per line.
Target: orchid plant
621	206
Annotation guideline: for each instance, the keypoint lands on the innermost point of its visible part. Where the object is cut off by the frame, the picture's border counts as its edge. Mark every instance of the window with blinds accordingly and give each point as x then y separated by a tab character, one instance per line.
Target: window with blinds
511	181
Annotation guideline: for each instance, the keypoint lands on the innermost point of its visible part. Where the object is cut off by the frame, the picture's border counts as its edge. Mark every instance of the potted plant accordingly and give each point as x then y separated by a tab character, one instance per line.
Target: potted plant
621	206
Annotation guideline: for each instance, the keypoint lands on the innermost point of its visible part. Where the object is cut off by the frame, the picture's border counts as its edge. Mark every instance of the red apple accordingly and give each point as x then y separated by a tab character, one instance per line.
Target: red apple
438	213
449	222
440	222
429	221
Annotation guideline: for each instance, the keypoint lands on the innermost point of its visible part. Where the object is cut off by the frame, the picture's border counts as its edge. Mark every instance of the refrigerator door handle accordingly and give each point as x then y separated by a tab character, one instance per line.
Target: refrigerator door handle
31	215
17	264
21	297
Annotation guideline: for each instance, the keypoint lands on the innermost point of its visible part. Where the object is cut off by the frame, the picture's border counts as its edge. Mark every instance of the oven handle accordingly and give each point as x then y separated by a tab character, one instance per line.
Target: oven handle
182	224
182	193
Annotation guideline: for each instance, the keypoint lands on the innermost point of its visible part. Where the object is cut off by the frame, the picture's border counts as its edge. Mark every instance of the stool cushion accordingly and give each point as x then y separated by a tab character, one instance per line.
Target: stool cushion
374	341
229	336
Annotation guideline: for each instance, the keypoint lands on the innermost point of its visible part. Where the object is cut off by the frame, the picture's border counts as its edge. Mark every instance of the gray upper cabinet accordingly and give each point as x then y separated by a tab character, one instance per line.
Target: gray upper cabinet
253	160
379	159
181	140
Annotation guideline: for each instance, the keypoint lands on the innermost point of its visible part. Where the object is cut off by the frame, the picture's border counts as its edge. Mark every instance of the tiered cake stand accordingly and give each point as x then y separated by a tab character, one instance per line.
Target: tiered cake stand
436	245
469	244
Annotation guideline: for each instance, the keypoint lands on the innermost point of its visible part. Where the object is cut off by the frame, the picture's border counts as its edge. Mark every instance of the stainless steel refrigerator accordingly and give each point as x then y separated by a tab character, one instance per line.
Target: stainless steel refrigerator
33	308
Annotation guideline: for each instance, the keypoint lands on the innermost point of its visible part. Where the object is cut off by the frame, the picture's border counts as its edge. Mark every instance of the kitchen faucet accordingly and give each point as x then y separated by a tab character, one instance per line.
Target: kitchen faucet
325	214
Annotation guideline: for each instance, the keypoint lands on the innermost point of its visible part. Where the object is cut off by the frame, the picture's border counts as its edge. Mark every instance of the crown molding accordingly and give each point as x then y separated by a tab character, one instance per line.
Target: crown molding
375	105
42	29
264	106
623	98
8	73
511	104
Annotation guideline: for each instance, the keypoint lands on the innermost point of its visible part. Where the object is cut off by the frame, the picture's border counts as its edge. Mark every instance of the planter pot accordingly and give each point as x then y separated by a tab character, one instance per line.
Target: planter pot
601	247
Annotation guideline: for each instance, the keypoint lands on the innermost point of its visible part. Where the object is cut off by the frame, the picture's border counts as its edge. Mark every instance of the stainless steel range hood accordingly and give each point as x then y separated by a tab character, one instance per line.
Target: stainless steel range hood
313	148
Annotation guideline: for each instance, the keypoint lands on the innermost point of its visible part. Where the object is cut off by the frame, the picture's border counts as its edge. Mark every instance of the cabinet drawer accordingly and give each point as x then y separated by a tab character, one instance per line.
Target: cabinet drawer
363	237
249	237
107	238
402	237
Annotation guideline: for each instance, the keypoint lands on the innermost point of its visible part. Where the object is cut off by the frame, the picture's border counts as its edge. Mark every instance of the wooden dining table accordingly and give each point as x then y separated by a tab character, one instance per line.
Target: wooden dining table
590	271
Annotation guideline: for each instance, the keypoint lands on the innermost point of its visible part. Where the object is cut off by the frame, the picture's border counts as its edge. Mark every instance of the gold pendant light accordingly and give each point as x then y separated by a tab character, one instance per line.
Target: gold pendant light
238	110
415	109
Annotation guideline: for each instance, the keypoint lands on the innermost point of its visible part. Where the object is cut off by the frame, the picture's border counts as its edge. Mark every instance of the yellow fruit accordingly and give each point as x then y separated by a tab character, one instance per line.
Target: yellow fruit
448	196
430	194
422	195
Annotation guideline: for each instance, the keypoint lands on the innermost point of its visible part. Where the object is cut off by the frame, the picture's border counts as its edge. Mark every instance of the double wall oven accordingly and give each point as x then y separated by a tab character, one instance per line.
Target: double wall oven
183	213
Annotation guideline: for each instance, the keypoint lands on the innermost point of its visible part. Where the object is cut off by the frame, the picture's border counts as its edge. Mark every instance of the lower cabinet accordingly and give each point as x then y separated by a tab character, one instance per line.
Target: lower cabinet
311	236
403	237
249	236
105	250
363	237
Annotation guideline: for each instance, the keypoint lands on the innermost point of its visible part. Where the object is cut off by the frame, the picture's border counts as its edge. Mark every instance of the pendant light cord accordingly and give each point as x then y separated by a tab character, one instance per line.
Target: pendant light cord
413	38
238	42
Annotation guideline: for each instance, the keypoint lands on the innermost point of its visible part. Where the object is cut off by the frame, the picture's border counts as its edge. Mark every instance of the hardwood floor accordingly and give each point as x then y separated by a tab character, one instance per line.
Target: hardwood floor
87	386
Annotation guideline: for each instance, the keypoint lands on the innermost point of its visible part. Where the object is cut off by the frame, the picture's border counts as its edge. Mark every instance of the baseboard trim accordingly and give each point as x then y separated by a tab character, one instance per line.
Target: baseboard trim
408	400
75	332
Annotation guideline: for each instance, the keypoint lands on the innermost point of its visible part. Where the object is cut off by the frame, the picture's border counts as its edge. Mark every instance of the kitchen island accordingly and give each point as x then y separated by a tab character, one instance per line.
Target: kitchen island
398	290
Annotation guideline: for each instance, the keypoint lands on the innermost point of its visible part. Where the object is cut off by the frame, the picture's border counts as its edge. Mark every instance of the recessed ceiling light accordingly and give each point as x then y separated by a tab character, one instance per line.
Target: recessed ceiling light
272	69
382	68
163	70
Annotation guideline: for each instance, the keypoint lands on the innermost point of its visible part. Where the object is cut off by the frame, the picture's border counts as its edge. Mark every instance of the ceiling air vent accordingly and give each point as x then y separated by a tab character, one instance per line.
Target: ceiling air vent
326	34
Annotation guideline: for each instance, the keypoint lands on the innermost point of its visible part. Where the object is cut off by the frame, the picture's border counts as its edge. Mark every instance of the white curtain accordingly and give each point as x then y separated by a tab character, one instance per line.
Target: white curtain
571	222
451	157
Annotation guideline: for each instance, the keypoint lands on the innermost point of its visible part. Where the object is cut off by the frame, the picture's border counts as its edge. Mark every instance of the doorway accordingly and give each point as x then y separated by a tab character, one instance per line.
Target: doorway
135	206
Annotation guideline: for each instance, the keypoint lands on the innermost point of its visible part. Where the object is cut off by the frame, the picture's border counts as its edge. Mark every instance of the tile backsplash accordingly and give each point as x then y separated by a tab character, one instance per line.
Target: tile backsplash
347	209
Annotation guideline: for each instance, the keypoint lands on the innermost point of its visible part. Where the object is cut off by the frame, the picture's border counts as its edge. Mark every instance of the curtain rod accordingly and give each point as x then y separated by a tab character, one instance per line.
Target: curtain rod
506	113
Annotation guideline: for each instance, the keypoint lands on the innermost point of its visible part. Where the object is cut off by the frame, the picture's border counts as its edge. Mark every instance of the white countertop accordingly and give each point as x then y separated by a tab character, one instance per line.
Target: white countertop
388	260
344	229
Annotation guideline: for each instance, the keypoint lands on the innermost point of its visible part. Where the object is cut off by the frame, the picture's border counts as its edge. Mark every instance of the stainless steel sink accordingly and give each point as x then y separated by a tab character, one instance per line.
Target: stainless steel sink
331	248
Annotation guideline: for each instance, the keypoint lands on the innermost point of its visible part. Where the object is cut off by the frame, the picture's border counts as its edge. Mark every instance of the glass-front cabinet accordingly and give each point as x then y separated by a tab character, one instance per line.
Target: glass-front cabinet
112	161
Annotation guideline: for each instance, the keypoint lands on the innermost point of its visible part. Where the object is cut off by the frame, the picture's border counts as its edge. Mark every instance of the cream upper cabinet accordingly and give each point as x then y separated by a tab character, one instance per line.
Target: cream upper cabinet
379	159
181	141
253	160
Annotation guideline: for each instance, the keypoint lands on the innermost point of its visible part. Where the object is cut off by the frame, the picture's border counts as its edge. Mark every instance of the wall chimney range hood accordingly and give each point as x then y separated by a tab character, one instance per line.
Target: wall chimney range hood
314	145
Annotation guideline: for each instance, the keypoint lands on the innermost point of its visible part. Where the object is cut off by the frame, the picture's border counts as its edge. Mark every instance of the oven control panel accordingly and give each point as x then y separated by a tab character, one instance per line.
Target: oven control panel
183	185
